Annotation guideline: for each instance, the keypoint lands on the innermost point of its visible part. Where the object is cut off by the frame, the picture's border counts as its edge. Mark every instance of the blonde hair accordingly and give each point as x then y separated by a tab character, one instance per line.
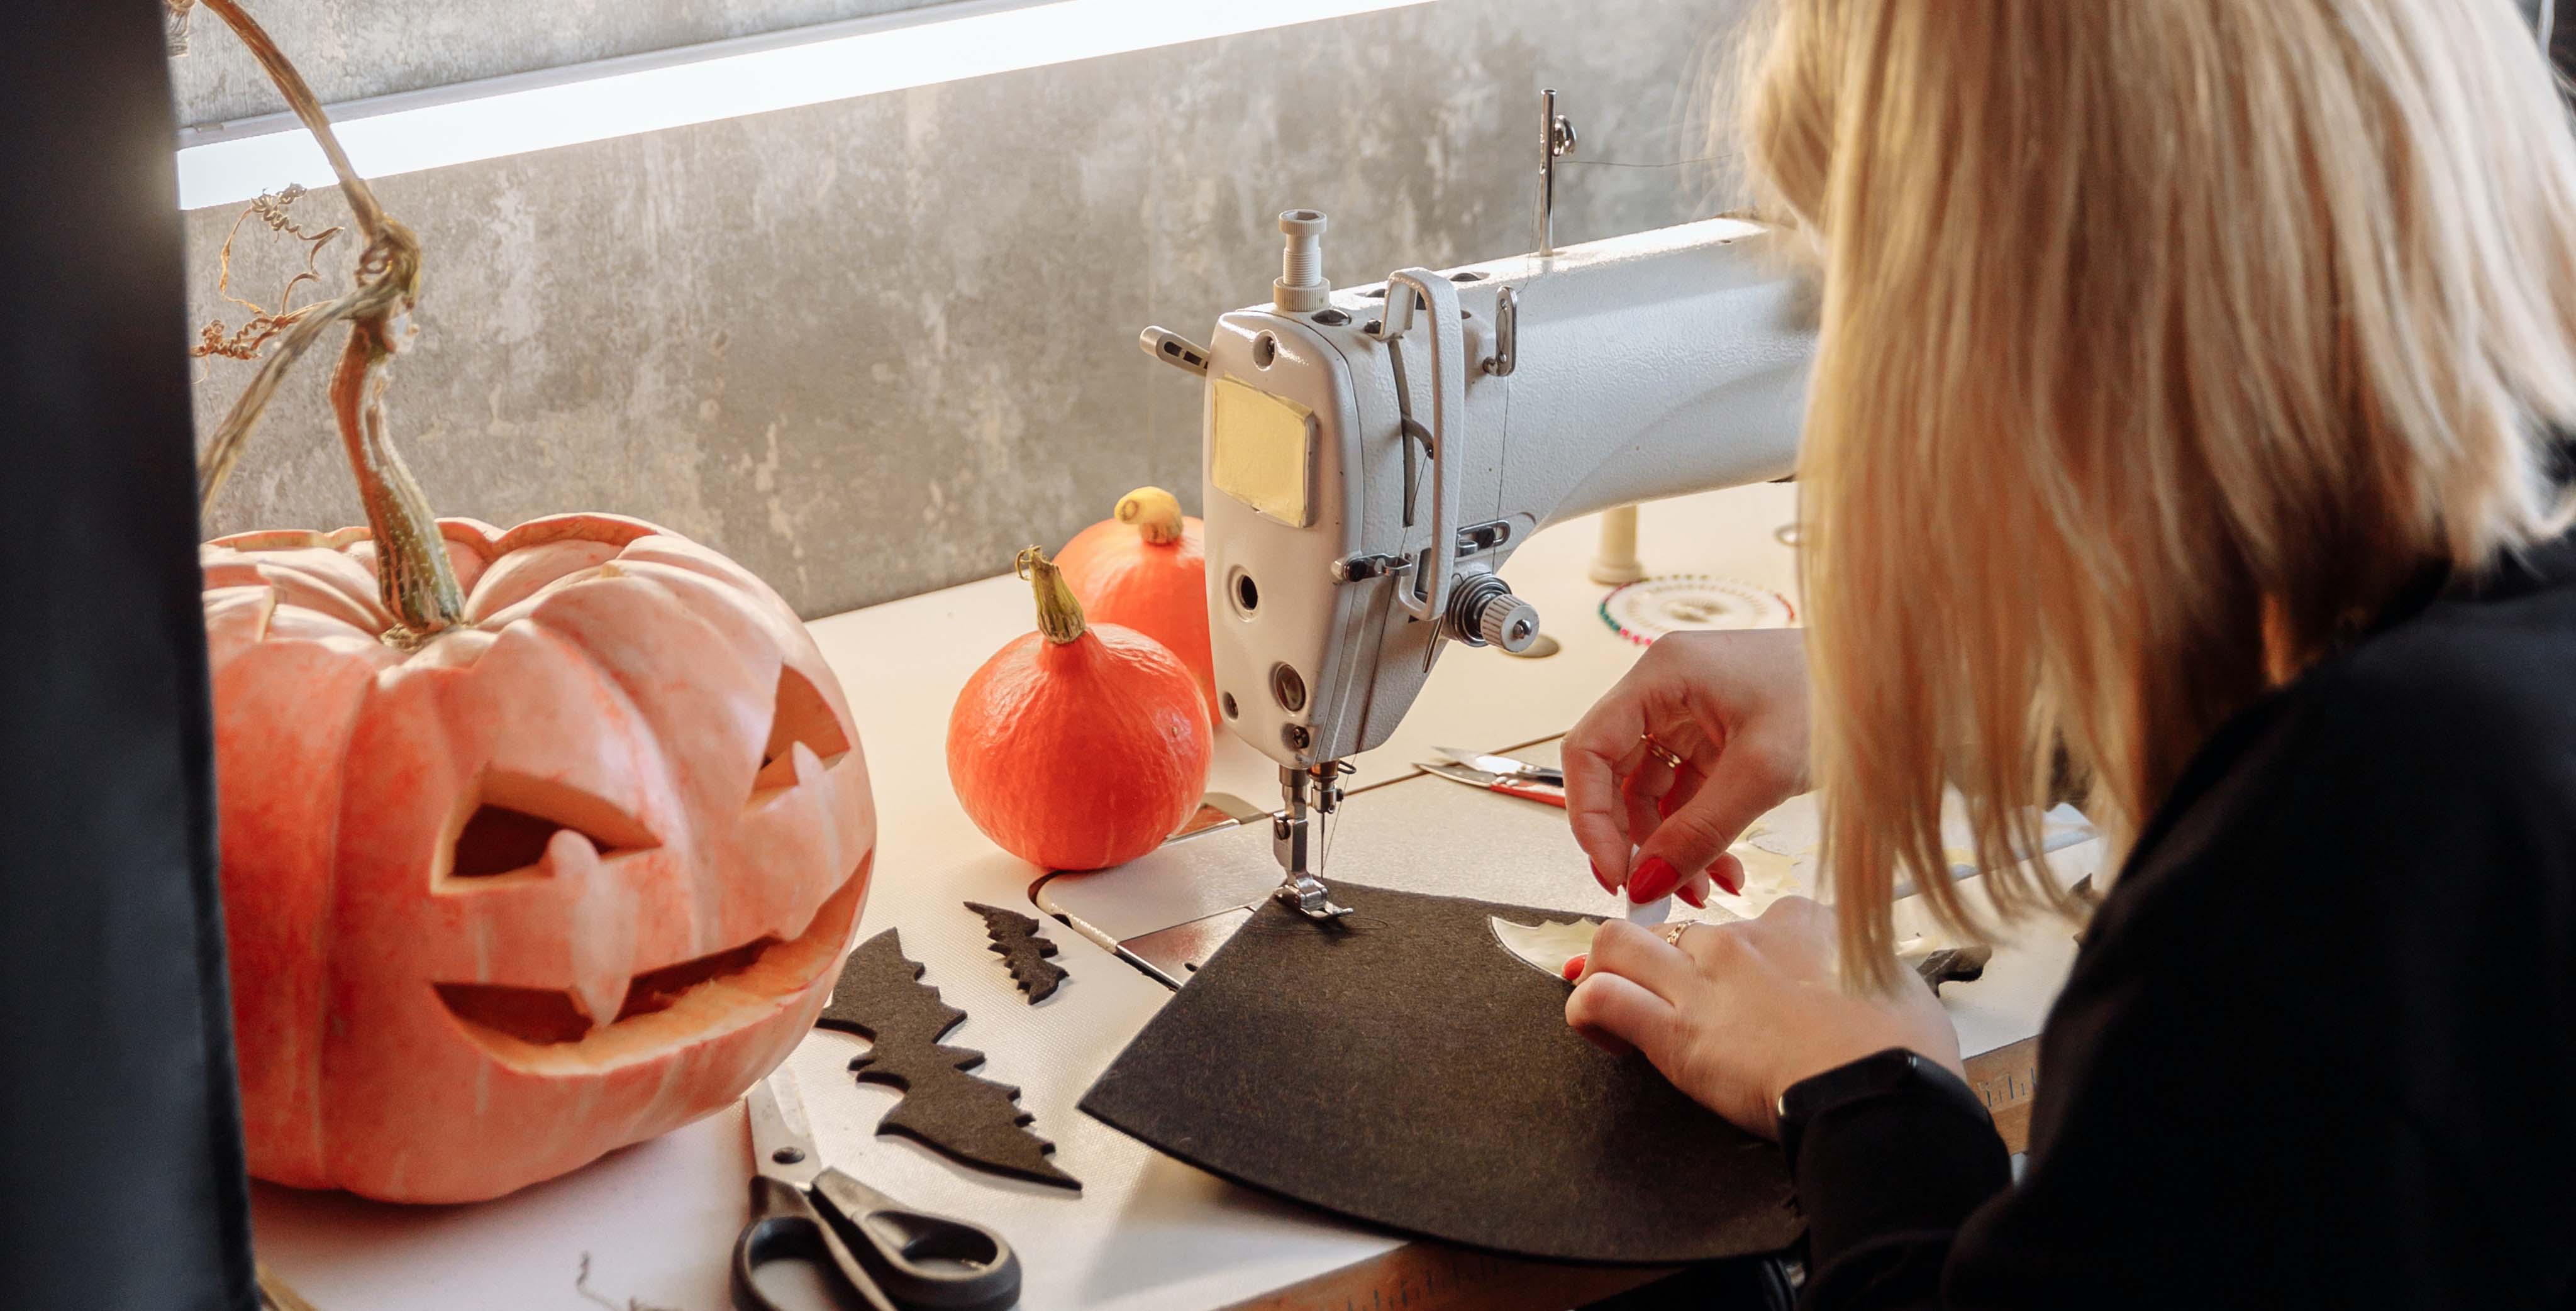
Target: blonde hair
2161	344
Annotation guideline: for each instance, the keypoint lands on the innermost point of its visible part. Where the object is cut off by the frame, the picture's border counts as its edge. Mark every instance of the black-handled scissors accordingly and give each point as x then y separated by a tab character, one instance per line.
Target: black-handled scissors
893	1258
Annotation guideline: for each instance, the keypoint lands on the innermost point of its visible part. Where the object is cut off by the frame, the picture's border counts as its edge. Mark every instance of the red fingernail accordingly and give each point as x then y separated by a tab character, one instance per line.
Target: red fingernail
1728	874
1654	879
1601	878
1574	967
1690	892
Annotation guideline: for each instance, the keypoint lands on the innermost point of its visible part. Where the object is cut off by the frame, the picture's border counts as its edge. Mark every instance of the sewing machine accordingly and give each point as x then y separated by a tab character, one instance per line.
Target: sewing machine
1375	454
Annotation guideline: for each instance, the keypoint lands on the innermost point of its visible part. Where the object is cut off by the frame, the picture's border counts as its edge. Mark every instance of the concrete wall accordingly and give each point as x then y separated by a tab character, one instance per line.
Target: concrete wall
353	48
874	347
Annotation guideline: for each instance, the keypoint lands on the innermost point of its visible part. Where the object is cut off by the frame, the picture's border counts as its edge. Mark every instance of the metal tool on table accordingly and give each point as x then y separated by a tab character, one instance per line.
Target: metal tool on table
888	1255
1510	766
1375	454
1528	787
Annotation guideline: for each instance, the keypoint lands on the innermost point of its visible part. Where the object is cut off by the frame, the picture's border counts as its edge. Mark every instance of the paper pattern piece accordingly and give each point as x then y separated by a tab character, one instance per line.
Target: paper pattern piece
1547	945
972	1121
1646	914
1017	941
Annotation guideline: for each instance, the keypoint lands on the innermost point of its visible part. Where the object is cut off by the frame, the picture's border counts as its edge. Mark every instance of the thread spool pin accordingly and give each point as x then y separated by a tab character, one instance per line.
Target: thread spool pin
1301	287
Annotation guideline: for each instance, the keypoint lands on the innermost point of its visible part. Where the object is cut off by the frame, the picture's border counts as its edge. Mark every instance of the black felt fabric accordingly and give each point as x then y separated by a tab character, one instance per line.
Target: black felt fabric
976	1122
1025	950
1401	1068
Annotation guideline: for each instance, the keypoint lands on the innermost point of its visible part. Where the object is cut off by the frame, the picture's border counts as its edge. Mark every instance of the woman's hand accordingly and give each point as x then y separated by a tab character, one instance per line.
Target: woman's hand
1732	707
1736	1013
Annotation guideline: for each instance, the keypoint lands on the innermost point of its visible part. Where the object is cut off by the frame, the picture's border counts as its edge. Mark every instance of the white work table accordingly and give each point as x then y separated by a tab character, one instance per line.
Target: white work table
655	1223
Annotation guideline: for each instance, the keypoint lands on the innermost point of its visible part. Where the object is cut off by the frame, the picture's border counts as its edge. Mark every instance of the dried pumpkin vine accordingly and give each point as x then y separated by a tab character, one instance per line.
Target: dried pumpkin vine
412	572
265	325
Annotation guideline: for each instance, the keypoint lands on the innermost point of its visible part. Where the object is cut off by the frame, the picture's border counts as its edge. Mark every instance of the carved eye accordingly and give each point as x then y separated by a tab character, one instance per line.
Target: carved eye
514	816
800	715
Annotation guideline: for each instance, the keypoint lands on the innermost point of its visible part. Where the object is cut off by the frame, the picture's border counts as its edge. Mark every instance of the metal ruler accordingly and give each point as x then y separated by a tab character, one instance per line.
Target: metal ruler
2006	1079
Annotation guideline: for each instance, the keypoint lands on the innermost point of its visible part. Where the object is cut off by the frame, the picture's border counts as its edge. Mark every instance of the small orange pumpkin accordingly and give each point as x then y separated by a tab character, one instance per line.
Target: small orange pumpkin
1078	746
1146	569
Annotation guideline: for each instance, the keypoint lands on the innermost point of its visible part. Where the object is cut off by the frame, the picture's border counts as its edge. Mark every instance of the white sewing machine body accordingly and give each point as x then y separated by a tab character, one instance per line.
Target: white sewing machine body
1366	482
1646	366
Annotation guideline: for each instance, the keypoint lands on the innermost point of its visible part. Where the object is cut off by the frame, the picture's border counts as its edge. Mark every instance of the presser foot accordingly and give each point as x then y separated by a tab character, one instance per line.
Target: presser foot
1307	895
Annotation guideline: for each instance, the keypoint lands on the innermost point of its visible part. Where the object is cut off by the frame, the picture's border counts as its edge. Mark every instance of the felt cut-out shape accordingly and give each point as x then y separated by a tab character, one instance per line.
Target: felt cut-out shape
1940	965
972	1121
1017	940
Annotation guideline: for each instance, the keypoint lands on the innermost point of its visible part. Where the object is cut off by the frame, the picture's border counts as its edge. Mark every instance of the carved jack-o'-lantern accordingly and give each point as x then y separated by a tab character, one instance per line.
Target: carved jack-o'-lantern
566	876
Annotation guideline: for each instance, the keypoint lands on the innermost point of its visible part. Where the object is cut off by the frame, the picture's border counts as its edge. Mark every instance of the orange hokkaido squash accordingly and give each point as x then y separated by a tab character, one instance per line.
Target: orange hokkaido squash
1146	569
1078	746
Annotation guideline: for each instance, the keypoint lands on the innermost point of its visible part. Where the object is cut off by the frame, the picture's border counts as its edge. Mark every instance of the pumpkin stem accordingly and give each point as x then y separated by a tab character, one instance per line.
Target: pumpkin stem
1155	512
1059	614
413	575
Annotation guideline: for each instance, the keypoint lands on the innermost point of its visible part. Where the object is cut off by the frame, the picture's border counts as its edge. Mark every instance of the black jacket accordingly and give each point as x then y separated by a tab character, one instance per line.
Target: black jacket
2319	1047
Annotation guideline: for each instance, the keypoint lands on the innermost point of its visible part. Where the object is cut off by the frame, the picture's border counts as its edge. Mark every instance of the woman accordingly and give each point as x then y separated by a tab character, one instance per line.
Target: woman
2179	426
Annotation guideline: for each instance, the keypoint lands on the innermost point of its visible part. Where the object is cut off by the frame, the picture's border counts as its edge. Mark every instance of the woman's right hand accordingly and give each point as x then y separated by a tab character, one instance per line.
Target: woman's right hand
1733	707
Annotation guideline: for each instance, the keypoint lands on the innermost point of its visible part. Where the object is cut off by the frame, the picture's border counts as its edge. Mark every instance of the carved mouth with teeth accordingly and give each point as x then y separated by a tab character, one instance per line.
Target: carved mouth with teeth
519	831
530	1027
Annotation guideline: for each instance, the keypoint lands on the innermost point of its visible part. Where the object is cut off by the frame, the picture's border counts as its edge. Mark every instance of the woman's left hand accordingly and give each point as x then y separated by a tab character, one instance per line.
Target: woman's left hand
1738	1012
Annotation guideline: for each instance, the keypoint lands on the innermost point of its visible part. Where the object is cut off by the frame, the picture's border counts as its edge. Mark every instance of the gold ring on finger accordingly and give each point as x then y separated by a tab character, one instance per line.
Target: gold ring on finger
1661	752
1673	932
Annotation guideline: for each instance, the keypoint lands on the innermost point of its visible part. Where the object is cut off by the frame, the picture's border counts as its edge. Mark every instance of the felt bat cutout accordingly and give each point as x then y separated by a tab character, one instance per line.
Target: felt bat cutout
972	1121
1017	940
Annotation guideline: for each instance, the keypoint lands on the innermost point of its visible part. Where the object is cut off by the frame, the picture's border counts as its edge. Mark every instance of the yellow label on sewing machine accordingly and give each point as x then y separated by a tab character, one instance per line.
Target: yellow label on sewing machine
1261	451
